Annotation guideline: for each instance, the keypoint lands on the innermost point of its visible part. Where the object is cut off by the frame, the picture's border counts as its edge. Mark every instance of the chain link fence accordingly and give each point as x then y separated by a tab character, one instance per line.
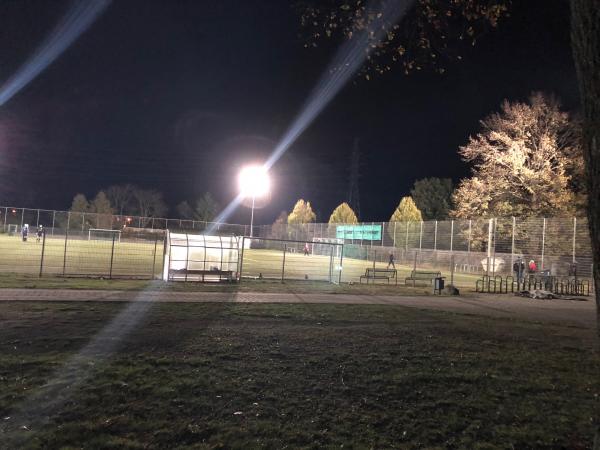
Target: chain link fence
79	223
80	244
114	255
276	259
470	247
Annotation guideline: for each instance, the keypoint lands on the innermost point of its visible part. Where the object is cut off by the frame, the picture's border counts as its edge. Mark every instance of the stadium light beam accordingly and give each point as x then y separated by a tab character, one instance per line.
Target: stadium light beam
78	19
254	182
344	65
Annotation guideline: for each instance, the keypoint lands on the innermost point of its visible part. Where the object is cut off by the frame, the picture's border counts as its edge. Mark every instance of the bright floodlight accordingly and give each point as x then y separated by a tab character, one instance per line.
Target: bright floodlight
254	181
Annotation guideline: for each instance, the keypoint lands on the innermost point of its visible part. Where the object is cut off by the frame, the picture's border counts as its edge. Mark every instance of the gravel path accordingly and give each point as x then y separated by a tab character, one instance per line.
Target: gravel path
569	312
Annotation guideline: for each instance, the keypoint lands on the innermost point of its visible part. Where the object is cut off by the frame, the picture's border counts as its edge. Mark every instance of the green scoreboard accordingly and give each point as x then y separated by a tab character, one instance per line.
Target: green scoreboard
359	232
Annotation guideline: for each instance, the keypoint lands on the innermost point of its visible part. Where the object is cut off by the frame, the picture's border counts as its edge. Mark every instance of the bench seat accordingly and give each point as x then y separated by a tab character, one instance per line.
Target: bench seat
379	274
418	275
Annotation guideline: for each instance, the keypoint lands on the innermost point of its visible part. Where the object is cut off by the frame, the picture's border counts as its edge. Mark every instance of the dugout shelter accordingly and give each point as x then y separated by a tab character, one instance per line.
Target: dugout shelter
201	257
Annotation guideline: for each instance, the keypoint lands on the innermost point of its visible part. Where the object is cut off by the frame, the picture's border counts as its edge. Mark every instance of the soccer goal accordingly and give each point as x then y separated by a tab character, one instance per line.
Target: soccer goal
324	247
100	234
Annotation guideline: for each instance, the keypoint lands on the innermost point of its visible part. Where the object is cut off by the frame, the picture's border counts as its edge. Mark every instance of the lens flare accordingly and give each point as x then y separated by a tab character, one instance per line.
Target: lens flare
77	20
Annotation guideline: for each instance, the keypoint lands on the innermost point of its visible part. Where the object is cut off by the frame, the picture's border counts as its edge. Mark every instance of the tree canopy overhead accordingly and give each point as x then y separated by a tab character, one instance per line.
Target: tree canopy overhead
431	34
526	159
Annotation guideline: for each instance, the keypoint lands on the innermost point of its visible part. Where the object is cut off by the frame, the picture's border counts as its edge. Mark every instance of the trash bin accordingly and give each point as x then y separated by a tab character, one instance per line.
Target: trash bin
438	285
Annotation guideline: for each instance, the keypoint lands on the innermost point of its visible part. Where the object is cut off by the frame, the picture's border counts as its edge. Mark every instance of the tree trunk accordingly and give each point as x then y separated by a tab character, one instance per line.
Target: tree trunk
585	40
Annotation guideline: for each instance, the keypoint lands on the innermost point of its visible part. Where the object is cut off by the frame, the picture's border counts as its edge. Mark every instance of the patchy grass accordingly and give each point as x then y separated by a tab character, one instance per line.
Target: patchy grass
295	375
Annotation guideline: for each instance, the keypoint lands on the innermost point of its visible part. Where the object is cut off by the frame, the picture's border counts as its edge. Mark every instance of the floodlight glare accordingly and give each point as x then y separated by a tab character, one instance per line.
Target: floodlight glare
254	181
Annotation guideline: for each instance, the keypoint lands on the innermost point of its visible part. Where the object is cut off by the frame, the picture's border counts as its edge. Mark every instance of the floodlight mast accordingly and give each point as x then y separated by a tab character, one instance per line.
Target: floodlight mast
254	182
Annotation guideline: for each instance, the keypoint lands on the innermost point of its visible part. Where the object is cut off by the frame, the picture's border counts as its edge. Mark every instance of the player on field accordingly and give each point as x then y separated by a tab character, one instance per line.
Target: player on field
391	261
40	233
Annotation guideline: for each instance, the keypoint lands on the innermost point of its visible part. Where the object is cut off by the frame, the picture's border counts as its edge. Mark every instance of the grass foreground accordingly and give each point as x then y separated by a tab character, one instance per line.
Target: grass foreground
289	376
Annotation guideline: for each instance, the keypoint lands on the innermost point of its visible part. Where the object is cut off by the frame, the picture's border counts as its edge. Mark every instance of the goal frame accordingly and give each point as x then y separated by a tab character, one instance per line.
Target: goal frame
113	232
336	243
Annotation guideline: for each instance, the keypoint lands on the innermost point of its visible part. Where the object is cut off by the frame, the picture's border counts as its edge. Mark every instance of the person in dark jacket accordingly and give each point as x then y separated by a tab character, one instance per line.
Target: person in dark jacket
391	261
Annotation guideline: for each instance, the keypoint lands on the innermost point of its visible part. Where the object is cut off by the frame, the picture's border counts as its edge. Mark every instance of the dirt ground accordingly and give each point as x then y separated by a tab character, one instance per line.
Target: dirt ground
579	313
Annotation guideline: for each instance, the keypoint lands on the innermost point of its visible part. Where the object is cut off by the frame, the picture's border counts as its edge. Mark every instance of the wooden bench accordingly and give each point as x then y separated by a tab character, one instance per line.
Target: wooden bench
224	275
419	275
379	274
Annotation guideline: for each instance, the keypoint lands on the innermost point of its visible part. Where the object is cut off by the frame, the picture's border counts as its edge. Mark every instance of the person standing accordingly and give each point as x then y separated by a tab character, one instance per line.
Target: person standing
391	261
306	249
517	269
25	232
40	233
532	266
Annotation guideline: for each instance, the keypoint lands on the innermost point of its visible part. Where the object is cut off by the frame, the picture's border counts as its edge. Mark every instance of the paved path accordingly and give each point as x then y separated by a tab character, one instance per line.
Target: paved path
570	312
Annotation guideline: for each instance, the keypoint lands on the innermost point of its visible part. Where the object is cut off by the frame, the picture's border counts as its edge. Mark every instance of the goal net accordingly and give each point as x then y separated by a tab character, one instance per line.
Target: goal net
100	234
323	246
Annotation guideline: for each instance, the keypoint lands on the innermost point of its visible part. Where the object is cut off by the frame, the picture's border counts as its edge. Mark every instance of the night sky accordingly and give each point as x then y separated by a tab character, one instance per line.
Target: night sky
177	96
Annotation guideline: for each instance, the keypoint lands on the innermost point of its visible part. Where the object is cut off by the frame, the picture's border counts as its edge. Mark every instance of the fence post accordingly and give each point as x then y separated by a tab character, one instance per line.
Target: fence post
53	220
451	235
394	236
162	263
37	222
154	259
341	264
112	256
574	236
435	237
489	247
512	246
5	217
82	223
406	239
283	263
494	257
22	214
331	264
469	240
543	243
43	249
65	249
241	265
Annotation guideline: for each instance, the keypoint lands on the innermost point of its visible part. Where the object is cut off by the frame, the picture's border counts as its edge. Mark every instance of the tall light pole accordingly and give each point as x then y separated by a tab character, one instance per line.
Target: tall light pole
254	182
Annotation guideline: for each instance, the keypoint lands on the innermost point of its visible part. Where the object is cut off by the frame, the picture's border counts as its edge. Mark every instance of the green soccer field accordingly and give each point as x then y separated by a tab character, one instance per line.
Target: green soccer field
144	259
80	257
270	264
